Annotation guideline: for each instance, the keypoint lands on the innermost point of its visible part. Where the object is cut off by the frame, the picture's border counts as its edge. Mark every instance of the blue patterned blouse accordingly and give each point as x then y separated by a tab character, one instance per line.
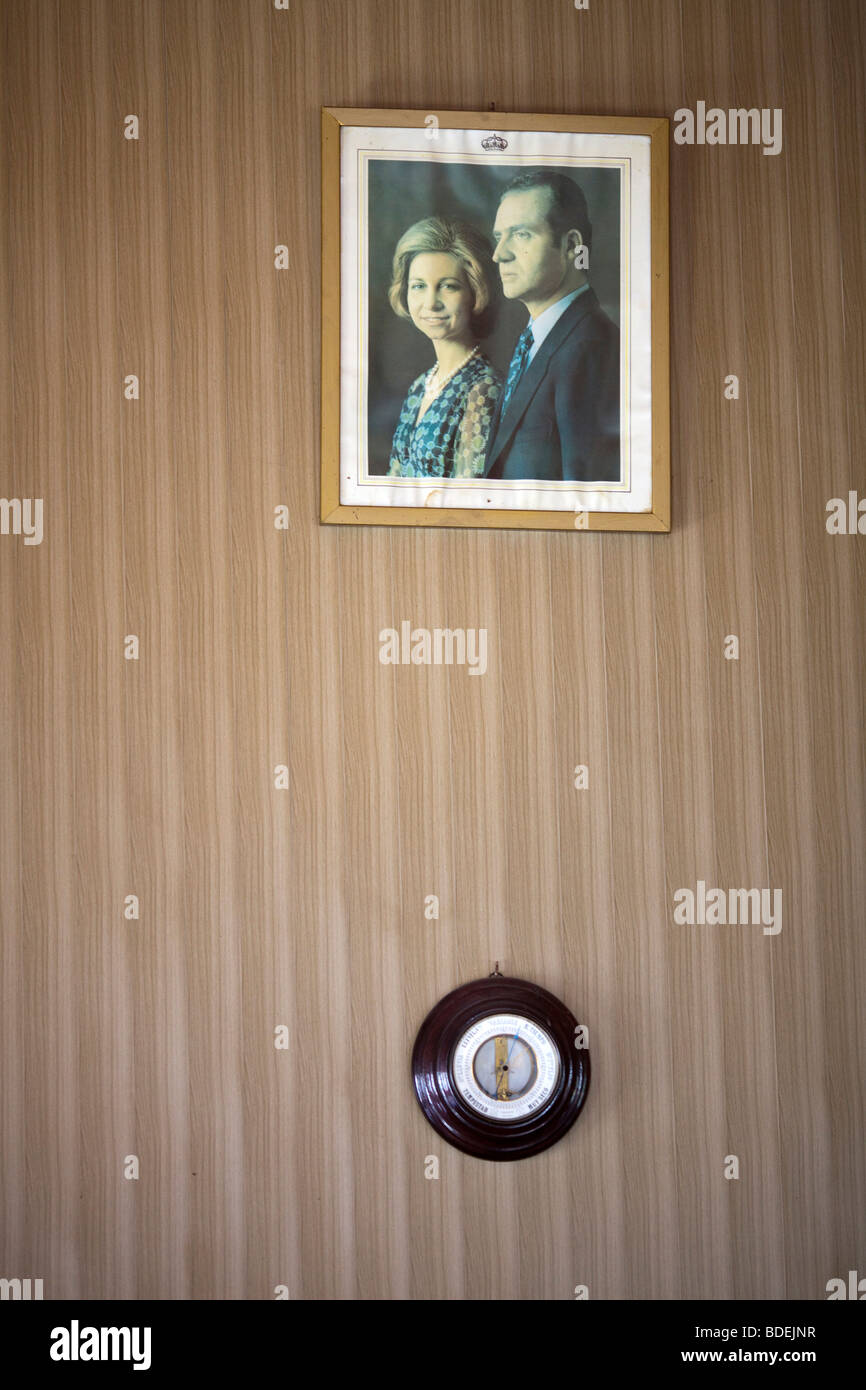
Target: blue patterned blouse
450	439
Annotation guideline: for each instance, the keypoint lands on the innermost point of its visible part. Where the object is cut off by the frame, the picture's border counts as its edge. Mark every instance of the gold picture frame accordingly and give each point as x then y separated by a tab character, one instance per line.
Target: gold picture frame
655	455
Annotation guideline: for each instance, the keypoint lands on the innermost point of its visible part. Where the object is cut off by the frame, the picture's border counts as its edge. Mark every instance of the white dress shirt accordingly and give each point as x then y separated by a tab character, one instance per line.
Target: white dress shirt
544	323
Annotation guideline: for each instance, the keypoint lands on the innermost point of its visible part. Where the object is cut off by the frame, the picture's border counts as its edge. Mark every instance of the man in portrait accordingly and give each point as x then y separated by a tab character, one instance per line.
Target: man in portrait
558	413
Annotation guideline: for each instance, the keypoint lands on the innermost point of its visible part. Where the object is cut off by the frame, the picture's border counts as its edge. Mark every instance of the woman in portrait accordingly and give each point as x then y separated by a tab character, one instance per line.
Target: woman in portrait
443	280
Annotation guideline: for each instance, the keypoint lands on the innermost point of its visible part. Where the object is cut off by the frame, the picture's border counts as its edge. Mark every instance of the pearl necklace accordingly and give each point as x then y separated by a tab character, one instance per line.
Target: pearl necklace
433	386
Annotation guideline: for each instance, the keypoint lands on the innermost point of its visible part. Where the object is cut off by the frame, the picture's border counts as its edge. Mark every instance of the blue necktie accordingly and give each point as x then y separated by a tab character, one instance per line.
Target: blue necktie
518	366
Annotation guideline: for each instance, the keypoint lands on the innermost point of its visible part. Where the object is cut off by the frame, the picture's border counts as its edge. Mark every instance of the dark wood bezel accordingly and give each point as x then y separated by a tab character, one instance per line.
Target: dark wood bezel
439	1098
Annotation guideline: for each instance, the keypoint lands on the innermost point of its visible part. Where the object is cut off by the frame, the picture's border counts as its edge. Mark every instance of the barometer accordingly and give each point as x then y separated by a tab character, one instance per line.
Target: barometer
500	1068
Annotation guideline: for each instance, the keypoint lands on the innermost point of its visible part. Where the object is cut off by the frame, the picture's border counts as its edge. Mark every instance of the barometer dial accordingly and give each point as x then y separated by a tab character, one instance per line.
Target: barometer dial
505	1066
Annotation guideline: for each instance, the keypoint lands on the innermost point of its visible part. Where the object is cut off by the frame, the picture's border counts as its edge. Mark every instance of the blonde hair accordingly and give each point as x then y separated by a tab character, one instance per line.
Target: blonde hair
458	239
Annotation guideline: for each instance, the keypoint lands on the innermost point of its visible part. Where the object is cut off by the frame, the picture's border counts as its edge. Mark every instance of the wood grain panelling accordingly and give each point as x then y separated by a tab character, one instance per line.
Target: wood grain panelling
304	906
724	538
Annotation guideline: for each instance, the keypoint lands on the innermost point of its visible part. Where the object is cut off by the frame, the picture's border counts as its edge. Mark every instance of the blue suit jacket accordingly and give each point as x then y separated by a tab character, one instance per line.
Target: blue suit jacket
562	422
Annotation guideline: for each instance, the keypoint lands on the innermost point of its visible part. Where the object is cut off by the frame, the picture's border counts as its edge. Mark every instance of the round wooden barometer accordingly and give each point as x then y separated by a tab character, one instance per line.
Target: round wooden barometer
500	1069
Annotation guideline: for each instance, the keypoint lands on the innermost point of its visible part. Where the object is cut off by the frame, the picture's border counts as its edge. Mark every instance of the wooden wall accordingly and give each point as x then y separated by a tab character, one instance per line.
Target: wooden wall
259	647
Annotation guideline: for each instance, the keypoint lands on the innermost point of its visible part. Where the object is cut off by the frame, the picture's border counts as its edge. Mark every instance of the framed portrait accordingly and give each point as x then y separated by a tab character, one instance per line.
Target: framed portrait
495	345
